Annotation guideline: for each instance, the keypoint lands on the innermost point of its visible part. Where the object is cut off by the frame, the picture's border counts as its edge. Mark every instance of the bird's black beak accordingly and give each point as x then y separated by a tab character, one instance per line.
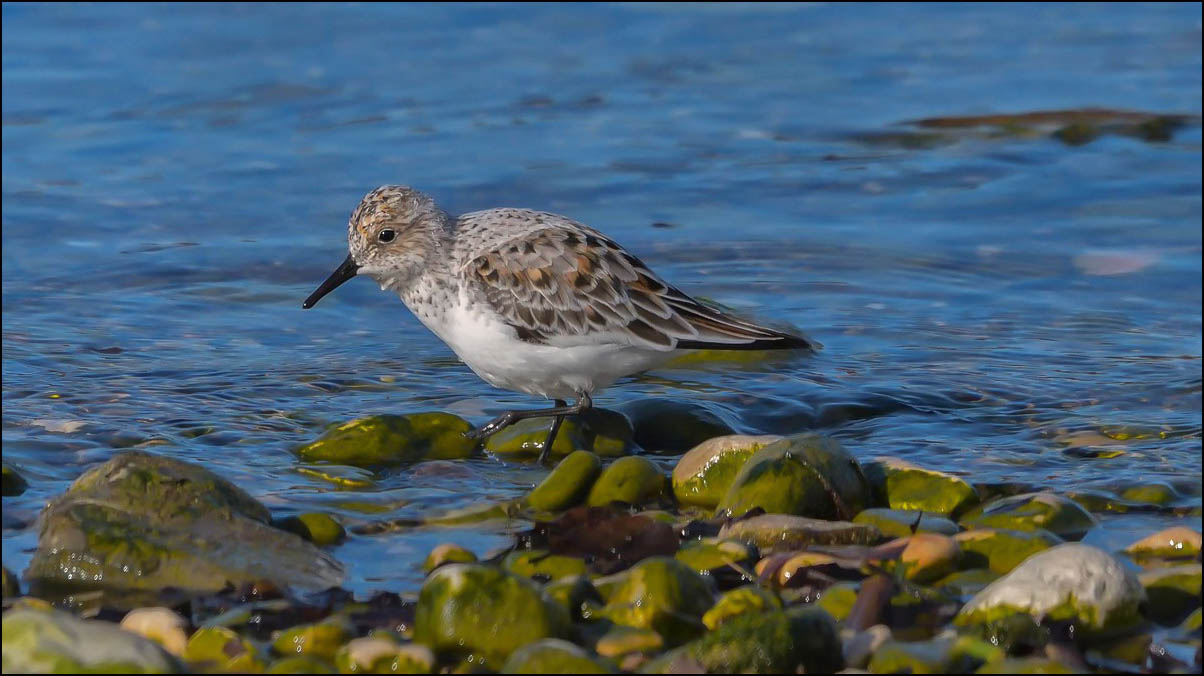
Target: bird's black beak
344	272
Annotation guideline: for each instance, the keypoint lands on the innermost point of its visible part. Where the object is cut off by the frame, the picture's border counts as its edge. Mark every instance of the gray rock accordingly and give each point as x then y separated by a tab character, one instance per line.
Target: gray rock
55	642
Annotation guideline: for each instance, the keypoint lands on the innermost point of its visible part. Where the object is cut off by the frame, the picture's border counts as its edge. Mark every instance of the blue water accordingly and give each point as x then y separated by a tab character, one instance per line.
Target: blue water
176	179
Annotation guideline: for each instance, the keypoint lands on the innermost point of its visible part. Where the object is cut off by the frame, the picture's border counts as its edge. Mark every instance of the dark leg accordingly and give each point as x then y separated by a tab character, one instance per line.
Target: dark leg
582	404
556	422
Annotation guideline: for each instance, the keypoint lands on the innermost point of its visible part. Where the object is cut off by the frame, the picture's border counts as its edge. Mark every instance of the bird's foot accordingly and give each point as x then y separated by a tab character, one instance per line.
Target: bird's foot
498	423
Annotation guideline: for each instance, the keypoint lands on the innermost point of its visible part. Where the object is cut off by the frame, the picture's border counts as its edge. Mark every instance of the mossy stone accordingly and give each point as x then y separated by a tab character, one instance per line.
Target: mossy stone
703	475
49	641
966	583
803	475
918	657
383	440
714	554
473	514
11	483
1174	542
1001	550
300	664
447	553
898	522
1024	665
1031	511
633	480
929	556
602	432
620	640
554	656
1173	592
773	642
575	594
221	649
473	609
538	562
568	484
12	586
741	601
902	485
1151	493
664	595
320	640
783	532
320	529
377	655
838	599
671	427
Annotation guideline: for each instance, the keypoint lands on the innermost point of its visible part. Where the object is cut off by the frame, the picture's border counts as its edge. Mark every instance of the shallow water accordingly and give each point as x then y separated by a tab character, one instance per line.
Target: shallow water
176	179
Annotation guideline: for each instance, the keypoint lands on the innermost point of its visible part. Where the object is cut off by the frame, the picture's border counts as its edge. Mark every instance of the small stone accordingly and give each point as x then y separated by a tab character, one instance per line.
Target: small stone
447	553
1031	511
568	484
1173	592
1151	493
161	625
667	426
918	657
774	642
48	641
741	601
714	554
11	483
1072	582
383	440
967	583
220	649
320	529
553	656
602	432
859	646
300	664
899	522
1178	541
902	485
376	655
1024	665
621	640
929	556
321	640
661	594
576	594
1002	550
838	599
530	563
703	475
632	480
782	532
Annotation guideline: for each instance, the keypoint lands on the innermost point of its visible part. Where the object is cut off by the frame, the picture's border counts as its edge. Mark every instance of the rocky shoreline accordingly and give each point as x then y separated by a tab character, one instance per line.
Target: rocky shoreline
755	554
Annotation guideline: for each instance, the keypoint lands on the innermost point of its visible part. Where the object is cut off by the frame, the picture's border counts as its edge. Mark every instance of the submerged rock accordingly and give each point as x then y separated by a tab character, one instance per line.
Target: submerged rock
472	609
12	587
12	483
804	475
661	594
1030	511
382	440
220	649
447	553
1070	582
602	432
667	426
141	521
782	532
902	485
576	594
553	656
1175	542
1173	591
774	642
55	642
1002	550
898	522
633	480
568	484
704	474
320	529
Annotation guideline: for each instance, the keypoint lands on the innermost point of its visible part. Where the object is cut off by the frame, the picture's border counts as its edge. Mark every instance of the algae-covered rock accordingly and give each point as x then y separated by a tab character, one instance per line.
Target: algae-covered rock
539	562
605	433
576	594
220	649
703	475
320	529
1070	582
321	640
300	664
620	640
553	656
929	556
141	521
568	484
1024	665
474	514
382	440
1173	591
467	608
803	475
898	522
11	483
1002	550
447	553
661	594
781	532
1030	511
714	554
838	599
772	642
967	583
51	641
741	601
1156	493
161	625
1175	542
902	485
667	426
918	657
12	587
633	480
376	655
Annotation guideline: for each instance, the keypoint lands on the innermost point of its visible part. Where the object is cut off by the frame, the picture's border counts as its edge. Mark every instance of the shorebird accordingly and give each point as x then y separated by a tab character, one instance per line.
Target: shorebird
531	301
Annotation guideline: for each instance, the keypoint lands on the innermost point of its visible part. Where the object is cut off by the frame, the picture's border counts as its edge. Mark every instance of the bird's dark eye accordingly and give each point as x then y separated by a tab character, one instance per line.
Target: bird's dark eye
386	235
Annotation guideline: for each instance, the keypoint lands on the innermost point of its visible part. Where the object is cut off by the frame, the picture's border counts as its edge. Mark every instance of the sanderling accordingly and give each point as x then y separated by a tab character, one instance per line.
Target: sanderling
531	301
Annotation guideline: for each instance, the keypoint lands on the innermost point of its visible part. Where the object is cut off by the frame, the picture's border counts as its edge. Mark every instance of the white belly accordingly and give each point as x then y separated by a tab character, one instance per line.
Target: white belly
493	352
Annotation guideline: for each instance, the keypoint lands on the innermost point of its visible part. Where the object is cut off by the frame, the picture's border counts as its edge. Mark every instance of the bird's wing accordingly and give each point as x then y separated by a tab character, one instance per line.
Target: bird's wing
562	283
